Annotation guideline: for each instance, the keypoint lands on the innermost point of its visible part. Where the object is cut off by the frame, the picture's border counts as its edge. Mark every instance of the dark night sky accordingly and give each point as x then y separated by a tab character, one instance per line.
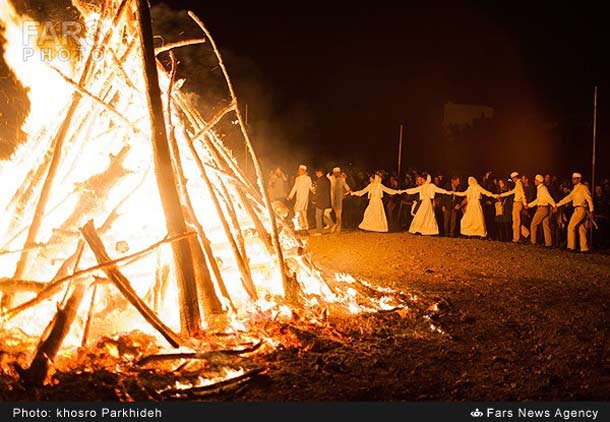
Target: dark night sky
342	77
330	82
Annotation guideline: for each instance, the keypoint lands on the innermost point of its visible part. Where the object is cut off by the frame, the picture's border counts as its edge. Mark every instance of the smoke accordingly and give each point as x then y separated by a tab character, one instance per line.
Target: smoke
277	127
50	10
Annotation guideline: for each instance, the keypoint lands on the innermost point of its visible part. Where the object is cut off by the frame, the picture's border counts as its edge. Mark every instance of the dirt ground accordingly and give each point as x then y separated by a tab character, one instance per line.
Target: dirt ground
522	323
513	323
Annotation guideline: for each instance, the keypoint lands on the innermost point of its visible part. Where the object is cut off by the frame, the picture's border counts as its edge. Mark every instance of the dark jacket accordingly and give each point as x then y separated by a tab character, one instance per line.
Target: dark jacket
450	201
322	193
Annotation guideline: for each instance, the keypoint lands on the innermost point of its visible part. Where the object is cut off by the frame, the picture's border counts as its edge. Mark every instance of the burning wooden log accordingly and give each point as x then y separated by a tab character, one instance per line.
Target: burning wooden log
221	192
10	286
166	181
220	386
207	247
26	191
214	121
162	275
89	316
171	46
210	301
57	331
124	286
199	355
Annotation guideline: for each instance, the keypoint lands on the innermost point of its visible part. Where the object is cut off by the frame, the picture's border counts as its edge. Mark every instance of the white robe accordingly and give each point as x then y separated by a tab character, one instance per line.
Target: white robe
302	187
374	216
424	221
473	221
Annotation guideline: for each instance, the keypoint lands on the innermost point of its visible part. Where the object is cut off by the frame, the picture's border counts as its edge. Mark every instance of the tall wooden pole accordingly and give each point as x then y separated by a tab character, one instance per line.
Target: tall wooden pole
190	316
594	140
594	154
245	146
400	150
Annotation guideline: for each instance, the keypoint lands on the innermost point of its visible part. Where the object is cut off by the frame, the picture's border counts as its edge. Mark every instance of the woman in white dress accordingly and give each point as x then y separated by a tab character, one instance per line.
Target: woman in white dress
473	222
424	221
374	216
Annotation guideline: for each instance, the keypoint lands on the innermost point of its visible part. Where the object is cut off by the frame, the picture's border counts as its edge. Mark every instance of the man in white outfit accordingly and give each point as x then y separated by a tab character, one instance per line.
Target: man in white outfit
520	202
302	187
544	201
580	198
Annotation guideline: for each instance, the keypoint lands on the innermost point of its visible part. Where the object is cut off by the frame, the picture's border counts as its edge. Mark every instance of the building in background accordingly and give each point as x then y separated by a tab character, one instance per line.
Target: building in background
457	117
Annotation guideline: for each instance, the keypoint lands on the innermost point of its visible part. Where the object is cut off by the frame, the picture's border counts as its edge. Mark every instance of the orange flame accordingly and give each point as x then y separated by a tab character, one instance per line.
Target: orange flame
107	170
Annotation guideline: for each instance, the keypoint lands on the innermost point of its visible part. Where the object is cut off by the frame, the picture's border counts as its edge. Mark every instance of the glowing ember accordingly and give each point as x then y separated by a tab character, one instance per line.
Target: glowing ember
203	382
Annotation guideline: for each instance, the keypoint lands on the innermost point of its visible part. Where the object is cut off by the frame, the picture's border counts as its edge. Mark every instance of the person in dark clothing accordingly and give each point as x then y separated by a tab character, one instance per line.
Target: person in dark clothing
601	202
553	186
451	209
354	205
601	236
438	206
321	198
563	215
349	203
503	210
529	188
394	207
526	213
488	206
554	189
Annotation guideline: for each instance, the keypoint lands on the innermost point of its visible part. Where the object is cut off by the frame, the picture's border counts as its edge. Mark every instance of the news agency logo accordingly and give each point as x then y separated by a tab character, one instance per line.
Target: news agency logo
476	413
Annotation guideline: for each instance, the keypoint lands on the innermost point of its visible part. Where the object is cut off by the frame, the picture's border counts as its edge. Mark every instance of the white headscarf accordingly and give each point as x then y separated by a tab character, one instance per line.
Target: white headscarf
472	181
428	179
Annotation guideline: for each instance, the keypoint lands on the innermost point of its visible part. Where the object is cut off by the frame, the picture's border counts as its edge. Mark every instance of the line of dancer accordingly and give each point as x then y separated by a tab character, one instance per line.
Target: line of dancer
330	189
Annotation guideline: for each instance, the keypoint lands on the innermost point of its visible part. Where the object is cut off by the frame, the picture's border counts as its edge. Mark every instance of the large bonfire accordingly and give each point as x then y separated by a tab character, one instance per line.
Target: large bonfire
124	214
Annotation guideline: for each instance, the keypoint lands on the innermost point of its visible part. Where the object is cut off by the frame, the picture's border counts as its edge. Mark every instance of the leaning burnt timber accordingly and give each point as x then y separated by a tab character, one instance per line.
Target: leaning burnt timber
166	180
129	213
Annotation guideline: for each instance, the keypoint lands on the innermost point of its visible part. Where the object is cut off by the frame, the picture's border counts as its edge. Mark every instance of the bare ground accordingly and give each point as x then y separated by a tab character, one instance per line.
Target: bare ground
516	323
523	323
